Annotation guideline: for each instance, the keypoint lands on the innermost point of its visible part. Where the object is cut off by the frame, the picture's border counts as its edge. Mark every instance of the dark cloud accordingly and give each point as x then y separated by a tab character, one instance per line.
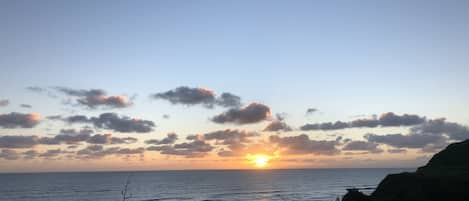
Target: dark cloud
228	100
114	122
440	126
236	141
429	136
36	89
19	120
253	113
169	139
4	102
30	154
188	96
122	124
9	154
278	126
98	151
391	119
18	141
371	147
94	98
54	117
311	110
26	106
325	126
196	148
67	136
51	153
77	119
108	139
388	119
41	90
198	96
166	116
301	144
397	151
405	141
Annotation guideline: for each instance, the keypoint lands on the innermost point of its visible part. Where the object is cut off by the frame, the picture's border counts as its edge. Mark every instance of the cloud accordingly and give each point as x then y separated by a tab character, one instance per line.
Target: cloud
108	139
325	126
19	120
391	119
26	106
278	126
18	141
301	144
41	90
30	154
166	116
311	110
397	151
388	119
194	149
362	146
36	89
114	122
51	153
94	98
228	100
405	141
429	136
253	113
98	151
67	136
9	154
4	102
440	126
198	96
169	139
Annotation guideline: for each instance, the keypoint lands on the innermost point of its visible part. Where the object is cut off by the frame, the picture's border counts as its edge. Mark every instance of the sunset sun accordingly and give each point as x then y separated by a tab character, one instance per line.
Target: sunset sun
259	160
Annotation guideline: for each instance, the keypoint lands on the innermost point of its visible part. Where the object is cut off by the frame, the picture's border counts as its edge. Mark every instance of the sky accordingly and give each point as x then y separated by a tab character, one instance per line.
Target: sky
156	85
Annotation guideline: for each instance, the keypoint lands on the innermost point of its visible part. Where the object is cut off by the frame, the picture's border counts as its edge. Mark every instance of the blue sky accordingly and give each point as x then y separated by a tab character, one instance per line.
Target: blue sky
344	58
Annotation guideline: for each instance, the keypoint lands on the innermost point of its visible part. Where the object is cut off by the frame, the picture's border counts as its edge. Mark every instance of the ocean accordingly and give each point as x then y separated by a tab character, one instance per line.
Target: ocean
193	185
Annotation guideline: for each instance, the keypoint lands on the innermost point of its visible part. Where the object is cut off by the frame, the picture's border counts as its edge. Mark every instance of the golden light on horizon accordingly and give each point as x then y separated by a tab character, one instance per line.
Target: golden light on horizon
259	160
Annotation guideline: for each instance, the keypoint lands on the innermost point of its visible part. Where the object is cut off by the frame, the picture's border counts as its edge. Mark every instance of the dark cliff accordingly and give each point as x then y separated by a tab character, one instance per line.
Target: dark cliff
445	177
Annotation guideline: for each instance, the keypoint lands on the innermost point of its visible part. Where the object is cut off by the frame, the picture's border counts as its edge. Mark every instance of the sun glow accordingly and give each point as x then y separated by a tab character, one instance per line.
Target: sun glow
259	160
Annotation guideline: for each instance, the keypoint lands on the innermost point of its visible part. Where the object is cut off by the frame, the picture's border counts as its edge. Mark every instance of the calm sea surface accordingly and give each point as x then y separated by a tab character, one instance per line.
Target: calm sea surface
223	185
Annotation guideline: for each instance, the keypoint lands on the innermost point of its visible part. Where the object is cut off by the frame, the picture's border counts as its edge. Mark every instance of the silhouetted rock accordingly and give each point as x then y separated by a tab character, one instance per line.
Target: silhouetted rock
355	195
445	177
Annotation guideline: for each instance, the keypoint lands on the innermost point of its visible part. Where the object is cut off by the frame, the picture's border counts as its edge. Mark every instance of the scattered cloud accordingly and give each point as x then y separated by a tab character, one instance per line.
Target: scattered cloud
405	141
278	126
19	120
198	96
397	151
371	147
26	106
166	116
169	139
311	111
253	113
4	102
195	148
9	154
388	119
301	144
18	141
114	122
108	139
98	151
94	98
